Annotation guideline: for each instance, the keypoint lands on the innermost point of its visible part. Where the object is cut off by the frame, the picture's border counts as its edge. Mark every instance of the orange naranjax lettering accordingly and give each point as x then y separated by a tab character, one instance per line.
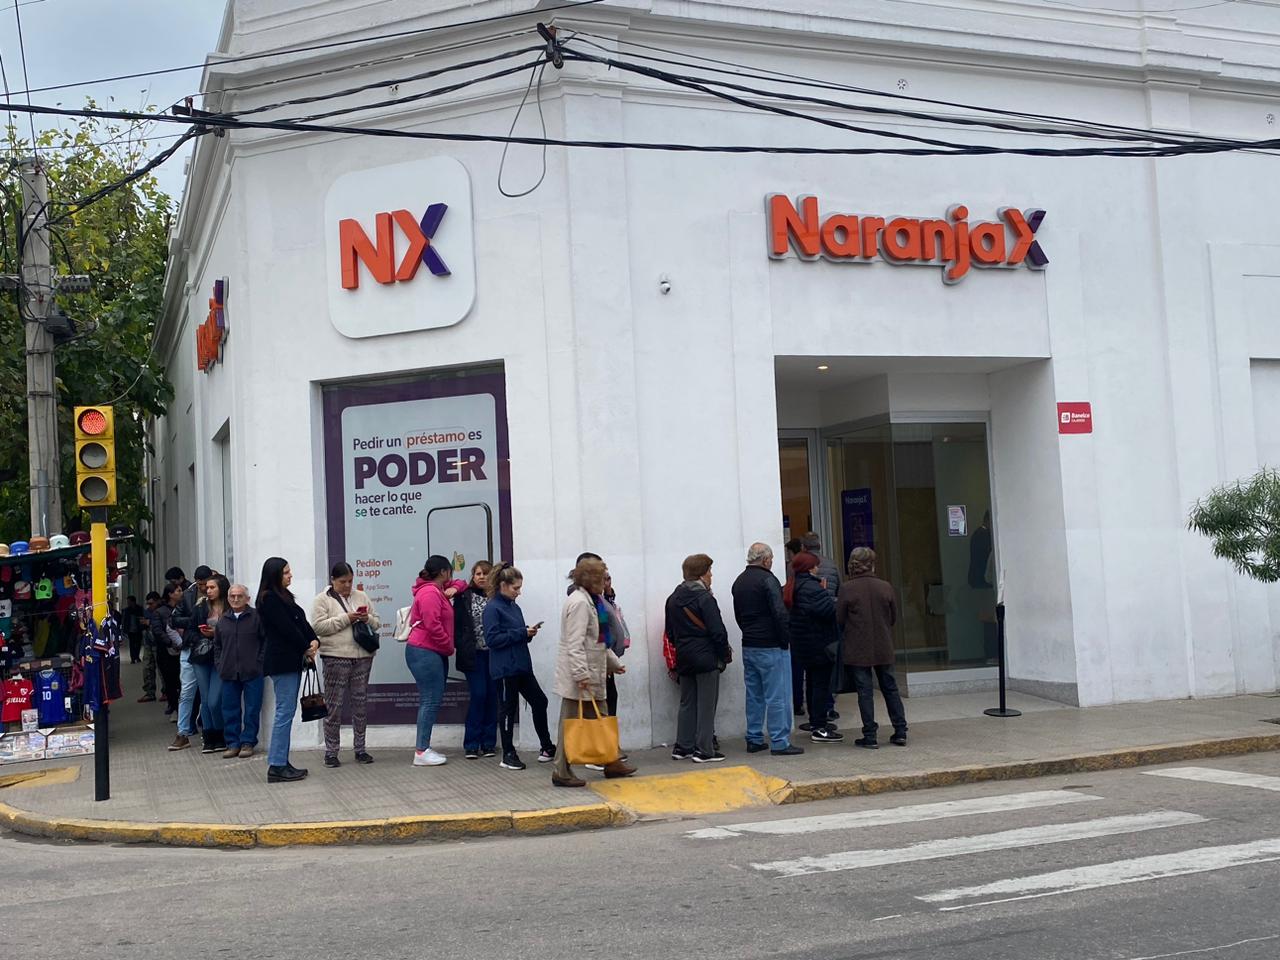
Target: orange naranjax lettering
953	243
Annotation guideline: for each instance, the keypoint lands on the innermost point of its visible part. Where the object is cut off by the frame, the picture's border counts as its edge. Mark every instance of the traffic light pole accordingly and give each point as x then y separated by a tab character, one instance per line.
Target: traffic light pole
101	719
36	298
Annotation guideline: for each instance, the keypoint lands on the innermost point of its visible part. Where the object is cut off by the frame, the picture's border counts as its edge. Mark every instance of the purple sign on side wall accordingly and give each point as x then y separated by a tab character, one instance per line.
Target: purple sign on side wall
857	521
414	468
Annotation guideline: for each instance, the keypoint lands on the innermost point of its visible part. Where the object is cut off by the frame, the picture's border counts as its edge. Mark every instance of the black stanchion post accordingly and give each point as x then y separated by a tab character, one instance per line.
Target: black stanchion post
1002	710
102	754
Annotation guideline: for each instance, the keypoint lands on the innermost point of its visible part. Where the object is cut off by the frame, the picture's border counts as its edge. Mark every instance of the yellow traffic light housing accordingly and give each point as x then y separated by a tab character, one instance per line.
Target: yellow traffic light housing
95	456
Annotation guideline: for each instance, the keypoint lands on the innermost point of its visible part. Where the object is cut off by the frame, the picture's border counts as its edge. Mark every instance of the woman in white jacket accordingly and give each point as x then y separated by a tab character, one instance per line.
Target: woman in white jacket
346	663
583	662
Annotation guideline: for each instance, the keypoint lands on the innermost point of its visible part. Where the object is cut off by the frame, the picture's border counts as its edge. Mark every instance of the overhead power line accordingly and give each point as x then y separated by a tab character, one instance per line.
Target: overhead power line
542	11
22	49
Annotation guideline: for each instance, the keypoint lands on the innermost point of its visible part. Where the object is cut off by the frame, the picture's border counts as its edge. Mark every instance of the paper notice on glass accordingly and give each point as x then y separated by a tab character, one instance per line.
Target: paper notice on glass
957	523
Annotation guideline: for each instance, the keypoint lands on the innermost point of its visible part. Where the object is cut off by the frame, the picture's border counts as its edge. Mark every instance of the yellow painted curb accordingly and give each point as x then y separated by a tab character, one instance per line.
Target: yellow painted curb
566	819
40	778
700	792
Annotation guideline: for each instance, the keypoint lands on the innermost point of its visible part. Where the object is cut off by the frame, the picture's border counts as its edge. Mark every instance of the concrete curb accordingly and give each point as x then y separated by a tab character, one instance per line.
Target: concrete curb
592	816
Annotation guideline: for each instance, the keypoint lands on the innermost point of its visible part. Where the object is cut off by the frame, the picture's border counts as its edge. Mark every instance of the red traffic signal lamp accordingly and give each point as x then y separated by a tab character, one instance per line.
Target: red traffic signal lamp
95	430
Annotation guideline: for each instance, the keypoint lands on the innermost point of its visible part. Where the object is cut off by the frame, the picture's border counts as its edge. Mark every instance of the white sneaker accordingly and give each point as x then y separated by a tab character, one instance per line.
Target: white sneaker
428	758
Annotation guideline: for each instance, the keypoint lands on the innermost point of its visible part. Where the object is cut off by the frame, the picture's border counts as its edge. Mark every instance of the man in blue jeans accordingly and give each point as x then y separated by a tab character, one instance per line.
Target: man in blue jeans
766	661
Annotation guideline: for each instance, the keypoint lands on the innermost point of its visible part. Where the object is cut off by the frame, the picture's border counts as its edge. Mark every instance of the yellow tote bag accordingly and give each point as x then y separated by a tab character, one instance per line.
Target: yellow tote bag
593	740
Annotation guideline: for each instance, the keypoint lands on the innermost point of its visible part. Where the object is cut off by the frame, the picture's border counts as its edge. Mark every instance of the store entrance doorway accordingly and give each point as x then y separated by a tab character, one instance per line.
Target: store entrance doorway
919	494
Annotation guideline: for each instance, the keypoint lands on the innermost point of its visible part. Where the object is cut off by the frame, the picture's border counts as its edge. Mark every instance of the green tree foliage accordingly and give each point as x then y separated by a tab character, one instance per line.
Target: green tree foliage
1243	521
121	241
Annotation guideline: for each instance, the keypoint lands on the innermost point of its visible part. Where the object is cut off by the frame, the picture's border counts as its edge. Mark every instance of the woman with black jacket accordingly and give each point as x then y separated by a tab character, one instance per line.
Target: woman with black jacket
289	647
696	630
814	643
471	655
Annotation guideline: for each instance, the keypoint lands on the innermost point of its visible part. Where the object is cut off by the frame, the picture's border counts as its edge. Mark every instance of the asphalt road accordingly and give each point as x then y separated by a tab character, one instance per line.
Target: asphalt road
1111	866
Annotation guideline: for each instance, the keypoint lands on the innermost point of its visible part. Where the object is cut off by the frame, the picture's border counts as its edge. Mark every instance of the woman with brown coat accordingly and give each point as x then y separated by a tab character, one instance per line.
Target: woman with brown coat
866	610
583	662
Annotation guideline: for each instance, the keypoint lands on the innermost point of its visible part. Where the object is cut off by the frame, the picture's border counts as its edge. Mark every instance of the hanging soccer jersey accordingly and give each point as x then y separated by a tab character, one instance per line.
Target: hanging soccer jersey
17	697
51	694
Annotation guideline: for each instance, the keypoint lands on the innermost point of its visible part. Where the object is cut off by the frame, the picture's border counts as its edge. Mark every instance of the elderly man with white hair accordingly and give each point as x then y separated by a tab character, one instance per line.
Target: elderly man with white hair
766	659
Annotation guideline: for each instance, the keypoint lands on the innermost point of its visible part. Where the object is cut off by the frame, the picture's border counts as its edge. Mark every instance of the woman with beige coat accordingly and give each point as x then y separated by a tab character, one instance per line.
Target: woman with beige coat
584	662
334	615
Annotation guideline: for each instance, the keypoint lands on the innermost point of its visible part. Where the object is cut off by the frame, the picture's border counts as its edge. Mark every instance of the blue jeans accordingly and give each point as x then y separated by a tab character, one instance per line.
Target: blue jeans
430	670
767	671
482	712
240	727
210	684
286	687
187	696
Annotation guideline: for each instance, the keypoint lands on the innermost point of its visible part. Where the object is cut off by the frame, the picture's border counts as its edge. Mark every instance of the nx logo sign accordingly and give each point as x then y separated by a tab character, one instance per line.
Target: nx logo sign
951	242
400	248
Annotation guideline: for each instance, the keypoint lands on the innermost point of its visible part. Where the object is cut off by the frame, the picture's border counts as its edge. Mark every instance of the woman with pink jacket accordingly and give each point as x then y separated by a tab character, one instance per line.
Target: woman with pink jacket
428	649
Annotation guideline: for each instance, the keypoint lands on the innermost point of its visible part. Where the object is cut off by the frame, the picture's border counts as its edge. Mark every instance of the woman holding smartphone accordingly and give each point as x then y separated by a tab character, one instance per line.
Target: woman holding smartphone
204	660
334	615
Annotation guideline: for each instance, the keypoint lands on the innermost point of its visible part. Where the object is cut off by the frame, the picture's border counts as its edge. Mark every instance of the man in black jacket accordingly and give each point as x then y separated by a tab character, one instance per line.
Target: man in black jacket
766	659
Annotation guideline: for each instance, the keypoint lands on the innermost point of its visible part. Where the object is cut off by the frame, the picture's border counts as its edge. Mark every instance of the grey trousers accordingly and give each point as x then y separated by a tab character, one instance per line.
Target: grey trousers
696	727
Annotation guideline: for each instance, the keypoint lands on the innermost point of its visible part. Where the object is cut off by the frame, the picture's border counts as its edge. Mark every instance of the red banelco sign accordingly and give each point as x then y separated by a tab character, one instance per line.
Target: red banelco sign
951	242
1075	418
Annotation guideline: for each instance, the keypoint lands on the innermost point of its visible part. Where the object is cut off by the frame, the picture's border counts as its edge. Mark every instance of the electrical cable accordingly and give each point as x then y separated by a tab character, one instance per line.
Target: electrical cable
506	146
22	48
762	73
541	11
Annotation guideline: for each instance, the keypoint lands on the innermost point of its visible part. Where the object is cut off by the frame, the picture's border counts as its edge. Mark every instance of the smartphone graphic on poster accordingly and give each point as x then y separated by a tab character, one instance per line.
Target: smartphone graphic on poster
463	533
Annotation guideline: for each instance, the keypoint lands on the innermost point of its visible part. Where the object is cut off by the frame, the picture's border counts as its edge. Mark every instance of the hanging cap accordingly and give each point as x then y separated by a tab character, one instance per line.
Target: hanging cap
19	547
4	549
79	538
39	544
22	590
58	541
44	589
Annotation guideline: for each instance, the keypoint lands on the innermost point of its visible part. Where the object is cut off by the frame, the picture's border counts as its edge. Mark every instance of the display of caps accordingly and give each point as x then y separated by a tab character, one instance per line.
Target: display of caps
19	547
44	589
79	538
59	541
39	544
122	530
22	590
4	549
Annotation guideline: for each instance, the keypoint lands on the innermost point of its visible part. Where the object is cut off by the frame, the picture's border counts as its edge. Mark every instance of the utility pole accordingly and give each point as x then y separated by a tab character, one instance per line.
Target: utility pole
36	298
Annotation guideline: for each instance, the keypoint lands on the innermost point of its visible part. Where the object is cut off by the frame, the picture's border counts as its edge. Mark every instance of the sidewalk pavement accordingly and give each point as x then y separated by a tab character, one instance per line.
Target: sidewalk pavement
190	799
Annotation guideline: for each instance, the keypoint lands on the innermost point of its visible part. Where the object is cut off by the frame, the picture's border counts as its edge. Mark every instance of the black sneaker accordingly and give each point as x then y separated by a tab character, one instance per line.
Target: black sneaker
472	754
826	735
756	747
788	751
867	742
331	761
487	752
363	757
511	762
547	754
208	747
898	739
679	753
700	757
806	727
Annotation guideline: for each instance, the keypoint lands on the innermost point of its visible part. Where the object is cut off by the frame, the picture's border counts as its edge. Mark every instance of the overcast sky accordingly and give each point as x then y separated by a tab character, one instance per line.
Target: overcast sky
68	41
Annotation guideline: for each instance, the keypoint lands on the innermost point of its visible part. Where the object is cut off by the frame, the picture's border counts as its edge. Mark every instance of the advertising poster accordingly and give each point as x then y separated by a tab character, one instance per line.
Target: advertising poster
857	520
415	468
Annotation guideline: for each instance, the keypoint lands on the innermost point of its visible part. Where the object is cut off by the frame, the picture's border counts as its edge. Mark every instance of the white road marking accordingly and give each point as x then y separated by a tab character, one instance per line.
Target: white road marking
892	916
982	843
1223	946
1228	777
905	814
1136	870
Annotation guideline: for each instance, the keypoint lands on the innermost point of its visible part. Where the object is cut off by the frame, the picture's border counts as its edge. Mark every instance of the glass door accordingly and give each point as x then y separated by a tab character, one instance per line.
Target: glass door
799	485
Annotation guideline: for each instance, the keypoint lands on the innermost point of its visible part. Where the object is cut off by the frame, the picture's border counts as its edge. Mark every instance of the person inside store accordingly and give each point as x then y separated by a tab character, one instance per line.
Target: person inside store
149	649
866	611
336	615
511	667
289	647
471	654
166	642
202	656
697	631
132	624
428	648
239	651
583	662
814	644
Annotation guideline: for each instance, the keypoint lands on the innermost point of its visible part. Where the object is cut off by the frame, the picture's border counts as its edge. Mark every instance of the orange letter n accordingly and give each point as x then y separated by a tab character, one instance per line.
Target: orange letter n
354	245
786	224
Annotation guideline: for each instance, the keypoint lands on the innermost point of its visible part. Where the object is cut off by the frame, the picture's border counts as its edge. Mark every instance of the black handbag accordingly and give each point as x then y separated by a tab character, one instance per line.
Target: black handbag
312	700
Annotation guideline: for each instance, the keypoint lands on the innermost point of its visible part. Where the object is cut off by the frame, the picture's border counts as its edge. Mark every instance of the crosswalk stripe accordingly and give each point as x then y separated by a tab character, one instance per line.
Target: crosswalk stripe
1228	777
982	843
1136	870
911	813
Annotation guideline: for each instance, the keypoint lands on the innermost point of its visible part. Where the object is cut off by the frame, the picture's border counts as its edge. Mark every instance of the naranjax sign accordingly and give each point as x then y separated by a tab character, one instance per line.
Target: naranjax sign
952	243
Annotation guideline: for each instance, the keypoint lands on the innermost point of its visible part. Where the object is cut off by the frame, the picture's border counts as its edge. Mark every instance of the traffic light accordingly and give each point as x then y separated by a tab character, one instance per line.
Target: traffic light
95	456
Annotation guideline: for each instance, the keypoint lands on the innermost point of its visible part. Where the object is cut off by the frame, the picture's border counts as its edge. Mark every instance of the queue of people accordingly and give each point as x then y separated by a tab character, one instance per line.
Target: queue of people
213	645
